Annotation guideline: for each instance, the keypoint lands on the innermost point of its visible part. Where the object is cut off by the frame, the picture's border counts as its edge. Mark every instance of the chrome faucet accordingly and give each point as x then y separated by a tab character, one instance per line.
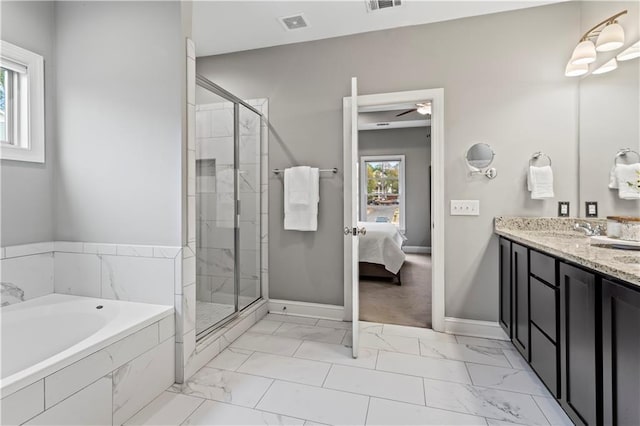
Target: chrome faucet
588	230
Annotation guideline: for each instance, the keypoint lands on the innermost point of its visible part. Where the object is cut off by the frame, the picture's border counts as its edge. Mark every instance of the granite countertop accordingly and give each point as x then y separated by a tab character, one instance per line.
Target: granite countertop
557	237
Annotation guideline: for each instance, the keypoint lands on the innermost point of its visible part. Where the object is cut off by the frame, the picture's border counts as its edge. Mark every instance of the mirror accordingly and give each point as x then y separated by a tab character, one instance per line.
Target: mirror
480	156
609	110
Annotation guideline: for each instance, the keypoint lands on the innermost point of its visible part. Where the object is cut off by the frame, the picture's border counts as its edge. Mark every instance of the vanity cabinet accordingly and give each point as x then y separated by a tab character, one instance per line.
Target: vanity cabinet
504	259
520	298
620	354
578	329
579	343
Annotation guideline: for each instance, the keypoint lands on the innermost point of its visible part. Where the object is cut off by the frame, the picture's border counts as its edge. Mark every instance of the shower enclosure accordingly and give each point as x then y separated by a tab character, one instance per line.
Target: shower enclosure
228	205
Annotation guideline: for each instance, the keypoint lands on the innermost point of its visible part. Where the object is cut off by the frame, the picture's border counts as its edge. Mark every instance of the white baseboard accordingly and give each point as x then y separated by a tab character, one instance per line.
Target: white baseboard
416	249
305	309
475	328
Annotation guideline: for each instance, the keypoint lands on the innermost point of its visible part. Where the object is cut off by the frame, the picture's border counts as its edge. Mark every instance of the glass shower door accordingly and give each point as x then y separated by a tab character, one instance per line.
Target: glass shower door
249	187
216	228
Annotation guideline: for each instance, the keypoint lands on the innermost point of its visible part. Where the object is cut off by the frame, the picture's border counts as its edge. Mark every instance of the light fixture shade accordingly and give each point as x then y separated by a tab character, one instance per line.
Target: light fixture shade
584	53
424	109
611	38
576	70
630	52
606	67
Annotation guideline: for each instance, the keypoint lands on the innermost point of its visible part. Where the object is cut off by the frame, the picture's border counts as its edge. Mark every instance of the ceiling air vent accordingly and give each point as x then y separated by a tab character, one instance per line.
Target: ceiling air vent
294	22
373	5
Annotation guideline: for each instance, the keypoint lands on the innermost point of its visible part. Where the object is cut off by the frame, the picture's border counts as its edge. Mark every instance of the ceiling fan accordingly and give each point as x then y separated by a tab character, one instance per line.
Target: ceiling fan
421	108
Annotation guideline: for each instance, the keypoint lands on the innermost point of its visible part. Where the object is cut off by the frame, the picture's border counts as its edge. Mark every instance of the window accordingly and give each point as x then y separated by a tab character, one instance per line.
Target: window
21	104
382	189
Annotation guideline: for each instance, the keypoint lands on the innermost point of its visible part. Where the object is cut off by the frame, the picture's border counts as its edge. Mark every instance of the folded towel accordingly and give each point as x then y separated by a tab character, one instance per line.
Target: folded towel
613	179
626	173
298	217
296	183
540	182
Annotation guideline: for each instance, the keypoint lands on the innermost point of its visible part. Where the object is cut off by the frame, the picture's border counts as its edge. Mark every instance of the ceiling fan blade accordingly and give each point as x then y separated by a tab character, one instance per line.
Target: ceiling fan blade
406	112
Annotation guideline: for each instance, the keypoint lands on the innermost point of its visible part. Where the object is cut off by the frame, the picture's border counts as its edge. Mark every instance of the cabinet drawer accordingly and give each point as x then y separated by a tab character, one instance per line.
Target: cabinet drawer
543	306
544	359
543	267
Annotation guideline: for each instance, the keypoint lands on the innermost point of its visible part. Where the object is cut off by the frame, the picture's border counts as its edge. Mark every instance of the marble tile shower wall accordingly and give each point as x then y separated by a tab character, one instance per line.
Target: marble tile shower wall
133	273
214	202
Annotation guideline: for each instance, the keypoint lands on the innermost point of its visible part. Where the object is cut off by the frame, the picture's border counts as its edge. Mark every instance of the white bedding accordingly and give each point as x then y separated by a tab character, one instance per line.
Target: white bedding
382	244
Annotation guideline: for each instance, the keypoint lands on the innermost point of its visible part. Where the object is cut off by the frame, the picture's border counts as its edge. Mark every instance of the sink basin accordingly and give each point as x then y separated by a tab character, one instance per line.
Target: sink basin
629	260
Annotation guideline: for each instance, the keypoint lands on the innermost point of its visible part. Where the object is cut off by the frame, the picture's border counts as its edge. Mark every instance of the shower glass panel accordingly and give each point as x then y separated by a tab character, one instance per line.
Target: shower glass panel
215	210
249	185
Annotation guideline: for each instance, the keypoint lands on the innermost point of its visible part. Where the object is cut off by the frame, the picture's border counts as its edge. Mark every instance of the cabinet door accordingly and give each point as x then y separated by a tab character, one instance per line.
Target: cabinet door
578	345
620	354
504	258
520	297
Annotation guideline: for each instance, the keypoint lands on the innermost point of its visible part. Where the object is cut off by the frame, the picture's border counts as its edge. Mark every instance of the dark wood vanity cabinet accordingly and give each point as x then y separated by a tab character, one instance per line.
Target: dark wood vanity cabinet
620	354
579	331
520	298
579	343
504	259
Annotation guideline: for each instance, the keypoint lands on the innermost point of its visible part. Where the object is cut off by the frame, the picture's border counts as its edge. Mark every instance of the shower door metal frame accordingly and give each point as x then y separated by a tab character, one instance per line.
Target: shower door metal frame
211	86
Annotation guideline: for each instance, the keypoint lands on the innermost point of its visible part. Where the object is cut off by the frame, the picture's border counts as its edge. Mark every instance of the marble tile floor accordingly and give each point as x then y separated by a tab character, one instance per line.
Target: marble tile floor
289	370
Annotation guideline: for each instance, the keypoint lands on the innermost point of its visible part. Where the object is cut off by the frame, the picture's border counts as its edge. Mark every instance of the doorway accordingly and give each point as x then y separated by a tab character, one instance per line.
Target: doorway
394	152
352	107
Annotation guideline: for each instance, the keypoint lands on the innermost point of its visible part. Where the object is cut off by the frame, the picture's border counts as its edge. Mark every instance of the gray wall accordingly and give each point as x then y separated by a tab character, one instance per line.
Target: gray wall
27	188
120	77
504	84
414	144
609	111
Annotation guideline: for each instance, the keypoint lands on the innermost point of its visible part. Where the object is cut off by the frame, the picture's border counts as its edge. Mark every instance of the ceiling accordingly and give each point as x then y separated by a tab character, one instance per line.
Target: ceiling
232	26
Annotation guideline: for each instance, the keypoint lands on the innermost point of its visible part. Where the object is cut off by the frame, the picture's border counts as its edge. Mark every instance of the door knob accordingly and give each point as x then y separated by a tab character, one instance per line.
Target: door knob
347	230
362	231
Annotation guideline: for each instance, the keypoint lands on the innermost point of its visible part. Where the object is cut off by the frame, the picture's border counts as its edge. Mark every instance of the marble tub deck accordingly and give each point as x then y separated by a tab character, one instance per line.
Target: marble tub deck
299	371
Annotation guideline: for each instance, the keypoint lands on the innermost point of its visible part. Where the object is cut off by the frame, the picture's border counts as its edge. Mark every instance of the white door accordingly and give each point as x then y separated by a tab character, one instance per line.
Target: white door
352	162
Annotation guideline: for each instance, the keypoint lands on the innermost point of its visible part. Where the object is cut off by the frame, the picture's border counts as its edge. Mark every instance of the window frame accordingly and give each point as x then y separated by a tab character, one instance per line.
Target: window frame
27	141
402	190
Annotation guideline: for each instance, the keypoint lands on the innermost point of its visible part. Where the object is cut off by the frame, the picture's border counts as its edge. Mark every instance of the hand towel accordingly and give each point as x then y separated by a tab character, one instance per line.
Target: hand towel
298	217
628	173
613	179
540	182
296	183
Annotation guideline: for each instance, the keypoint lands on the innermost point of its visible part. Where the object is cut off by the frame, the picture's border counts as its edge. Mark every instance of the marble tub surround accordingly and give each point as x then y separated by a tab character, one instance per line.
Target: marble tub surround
276	373
100	384
136	273
557	237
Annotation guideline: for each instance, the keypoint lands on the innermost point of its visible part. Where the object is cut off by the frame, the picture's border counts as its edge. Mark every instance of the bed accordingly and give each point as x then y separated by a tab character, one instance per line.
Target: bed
381	254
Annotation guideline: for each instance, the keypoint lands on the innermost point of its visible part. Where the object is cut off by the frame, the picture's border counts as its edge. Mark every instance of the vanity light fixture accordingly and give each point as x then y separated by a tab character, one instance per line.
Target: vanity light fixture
608	35
606	67
576	70
630	52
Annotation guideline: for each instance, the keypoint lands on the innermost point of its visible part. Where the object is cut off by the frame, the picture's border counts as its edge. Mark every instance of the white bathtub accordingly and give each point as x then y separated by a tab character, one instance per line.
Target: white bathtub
46	334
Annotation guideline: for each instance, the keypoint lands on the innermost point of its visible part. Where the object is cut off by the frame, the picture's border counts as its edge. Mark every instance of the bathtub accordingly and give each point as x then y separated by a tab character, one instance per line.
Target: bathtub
54	334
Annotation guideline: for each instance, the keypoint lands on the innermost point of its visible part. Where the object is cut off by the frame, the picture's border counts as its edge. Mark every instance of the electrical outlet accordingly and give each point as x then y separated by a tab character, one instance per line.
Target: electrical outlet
465	207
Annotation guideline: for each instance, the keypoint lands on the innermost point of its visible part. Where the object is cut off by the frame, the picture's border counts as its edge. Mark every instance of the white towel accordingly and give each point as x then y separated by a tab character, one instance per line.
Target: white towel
613	179
299	217
540	182
296	183
625	174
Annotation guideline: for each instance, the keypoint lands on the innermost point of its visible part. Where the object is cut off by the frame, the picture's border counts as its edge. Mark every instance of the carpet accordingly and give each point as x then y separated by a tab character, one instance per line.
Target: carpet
409	304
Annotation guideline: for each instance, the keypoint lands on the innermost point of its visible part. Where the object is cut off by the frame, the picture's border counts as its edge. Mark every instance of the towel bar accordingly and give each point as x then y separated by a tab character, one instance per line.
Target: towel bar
334	170
537	155
623	153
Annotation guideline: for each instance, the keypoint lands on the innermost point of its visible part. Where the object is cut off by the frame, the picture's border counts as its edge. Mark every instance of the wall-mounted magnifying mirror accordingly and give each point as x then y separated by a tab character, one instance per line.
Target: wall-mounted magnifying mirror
479	157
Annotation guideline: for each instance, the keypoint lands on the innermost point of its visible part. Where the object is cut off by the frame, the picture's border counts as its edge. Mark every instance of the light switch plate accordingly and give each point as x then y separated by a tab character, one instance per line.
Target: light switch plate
563	209
465	207
591	208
